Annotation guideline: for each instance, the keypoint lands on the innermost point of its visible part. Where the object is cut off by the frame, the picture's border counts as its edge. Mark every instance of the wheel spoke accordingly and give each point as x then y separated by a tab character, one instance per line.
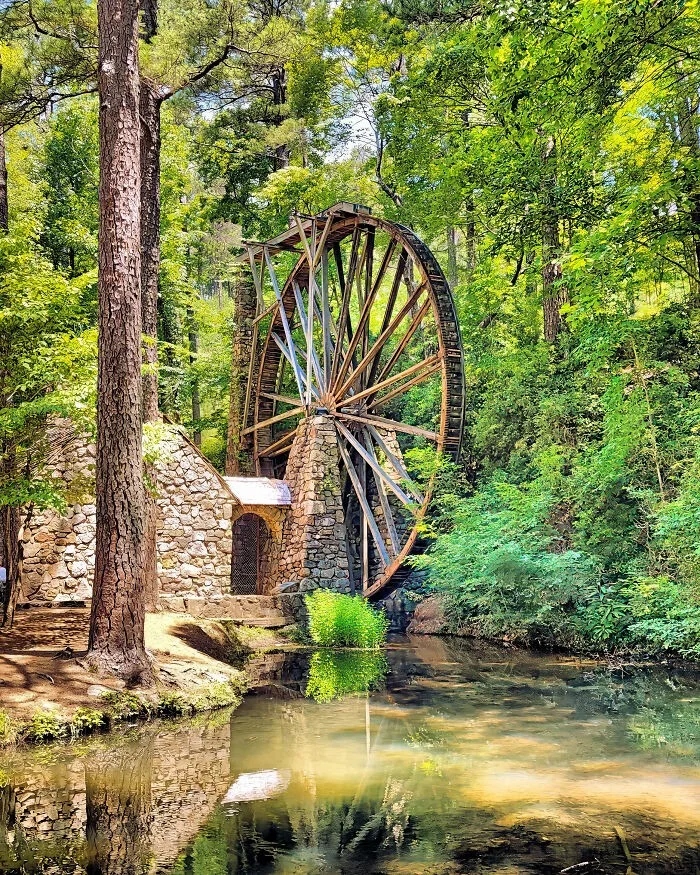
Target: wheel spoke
383	500
432	362
431	366
396	463
364	504
405	340
380	341
392	424
362	325
285	323
273	419
346	287
280	445
307	329
291	358
374	465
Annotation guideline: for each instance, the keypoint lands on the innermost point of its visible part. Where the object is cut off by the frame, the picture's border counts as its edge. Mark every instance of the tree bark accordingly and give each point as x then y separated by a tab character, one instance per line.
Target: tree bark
554	293
688	129
116	641
150	104
238	460
4	202
452	277
119	810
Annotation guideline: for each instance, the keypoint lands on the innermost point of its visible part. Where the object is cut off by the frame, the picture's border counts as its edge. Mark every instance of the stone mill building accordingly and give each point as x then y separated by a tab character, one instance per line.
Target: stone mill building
343	366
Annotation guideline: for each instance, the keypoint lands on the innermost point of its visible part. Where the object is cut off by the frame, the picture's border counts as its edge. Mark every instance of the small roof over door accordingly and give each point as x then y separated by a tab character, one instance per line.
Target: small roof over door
260	491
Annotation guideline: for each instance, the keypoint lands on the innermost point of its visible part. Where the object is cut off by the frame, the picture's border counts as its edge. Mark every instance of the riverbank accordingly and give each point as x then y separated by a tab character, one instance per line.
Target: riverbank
47	691
431	616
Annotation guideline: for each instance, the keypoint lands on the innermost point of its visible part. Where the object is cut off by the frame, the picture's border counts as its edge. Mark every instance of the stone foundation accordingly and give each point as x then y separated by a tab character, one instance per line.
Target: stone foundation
314	549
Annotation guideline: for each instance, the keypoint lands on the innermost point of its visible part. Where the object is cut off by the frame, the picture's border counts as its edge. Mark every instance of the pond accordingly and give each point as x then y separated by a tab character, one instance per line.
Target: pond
463	758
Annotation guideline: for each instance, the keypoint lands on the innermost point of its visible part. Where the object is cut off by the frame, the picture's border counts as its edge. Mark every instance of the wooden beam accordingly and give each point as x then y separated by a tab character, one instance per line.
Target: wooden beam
366	418
273	419
285	323
365	314
380	341
397	463
291	359
280	445
412	328
383	500
435	362
283	399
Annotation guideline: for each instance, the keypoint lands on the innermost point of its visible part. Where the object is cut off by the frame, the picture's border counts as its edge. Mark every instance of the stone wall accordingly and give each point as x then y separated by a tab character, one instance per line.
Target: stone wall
314	551
59	549
195	513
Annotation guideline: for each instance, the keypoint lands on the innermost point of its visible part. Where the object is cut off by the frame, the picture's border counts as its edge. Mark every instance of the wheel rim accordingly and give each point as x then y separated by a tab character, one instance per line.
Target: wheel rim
394	383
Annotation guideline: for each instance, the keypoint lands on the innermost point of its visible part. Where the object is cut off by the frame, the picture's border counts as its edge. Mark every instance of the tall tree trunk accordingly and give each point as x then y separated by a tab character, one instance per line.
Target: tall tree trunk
279	98
193	339
116	641
9	516
238	459
470	237
4	202
452	277
688	121
150	104
554	292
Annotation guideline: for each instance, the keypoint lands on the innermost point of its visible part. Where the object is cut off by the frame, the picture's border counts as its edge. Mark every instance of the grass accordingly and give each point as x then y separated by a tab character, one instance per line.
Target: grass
337	620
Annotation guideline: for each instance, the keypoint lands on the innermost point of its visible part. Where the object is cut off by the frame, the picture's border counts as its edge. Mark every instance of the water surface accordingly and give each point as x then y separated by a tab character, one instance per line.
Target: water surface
464	759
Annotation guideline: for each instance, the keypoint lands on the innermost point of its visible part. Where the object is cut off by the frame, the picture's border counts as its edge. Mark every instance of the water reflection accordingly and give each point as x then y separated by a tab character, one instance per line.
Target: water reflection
335	675
122	805
466	760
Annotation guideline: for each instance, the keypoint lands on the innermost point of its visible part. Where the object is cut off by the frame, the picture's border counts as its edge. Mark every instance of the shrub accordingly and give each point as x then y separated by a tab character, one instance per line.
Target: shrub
45	726
87	720
124	705
337	620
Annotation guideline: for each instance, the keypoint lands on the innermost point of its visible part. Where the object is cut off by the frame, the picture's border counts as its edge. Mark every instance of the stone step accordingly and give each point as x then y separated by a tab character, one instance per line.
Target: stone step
272	611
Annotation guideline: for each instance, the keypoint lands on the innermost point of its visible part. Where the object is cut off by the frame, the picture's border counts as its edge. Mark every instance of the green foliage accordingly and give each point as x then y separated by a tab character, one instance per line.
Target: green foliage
123	705
45	726
7	729
337	620
335	675
86	721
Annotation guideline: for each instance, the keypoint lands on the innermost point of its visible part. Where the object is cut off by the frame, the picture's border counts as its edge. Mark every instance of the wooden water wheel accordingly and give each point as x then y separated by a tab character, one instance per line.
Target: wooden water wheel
355	320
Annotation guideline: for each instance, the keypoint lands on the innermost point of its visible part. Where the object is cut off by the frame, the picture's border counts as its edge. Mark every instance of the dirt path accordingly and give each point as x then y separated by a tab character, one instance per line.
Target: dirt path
37	673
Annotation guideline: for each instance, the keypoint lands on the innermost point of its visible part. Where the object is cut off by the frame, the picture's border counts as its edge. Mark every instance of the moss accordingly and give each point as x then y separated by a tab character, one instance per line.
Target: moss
123	705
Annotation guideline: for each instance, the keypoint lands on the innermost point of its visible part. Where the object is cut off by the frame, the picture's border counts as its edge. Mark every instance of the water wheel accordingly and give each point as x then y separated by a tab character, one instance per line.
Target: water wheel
362	327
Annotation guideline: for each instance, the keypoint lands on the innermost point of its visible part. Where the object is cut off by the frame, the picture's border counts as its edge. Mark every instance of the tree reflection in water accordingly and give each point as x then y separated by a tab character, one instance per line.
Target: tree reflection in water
119	810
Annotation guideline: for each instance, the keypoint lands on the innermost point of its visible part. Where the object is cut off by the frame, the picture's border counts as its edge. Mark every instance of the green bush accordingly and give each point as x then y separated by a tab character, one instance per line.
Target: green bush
86	721
46	726
337	620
